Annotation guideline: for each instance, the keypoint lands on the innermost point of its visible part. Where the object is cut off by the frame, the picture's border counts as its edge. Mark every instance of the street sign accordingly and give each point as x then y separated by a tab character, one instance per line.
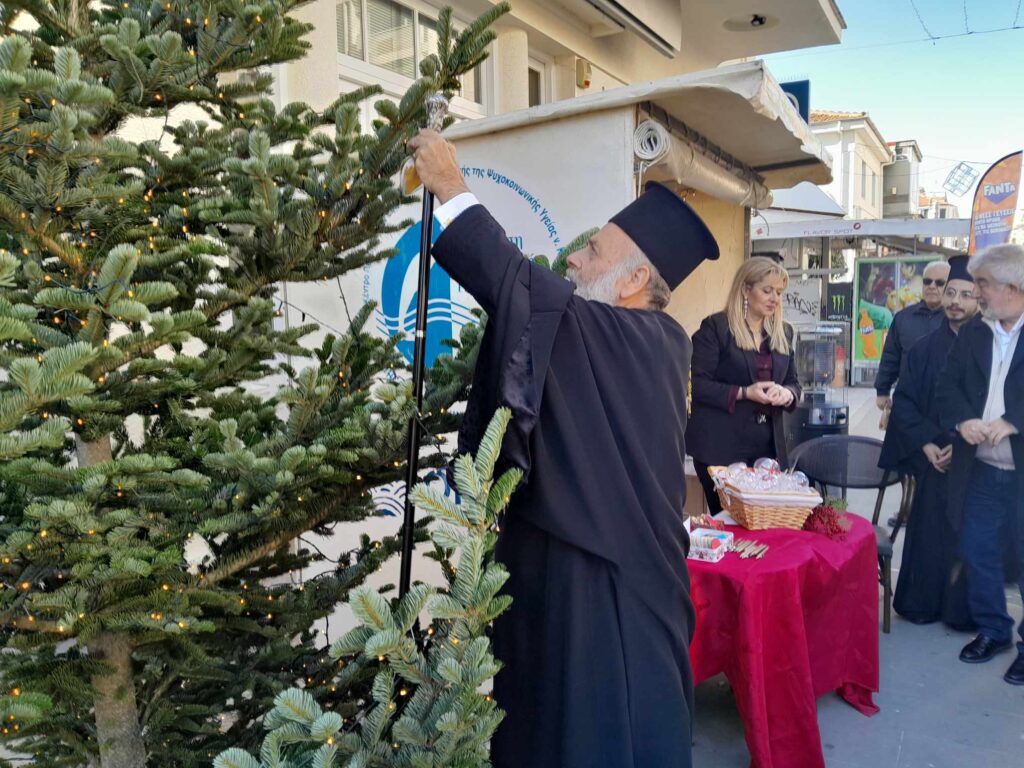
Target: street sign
799	92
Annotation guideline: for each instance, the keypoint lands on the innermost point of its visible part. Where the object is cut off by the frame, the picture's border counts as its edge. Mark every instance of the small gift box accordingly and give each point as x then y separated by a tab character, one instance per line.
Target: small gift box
709	545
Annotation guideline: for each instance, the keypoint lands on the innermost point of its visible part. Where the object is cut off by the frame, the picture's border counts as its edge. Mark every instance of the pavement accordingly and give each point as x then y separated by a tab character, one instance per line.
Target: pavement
936	712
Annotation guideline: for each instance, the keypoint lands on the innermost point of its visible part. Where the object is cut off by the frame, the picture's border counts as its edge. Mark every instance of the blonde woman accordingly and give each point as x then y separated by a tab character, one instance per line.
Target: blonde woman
744	375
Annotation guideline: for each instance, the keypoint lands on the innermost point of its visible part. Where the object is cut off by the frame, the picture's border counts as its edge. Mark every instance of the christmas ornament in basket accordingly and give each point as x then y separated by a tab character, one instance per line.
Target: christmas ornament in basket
763	496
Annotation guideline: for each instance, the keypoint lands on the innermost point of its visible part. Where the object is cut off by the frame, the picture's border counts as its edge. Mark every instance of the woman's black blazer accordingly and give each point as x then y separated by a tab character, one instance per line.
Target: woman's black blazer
714	435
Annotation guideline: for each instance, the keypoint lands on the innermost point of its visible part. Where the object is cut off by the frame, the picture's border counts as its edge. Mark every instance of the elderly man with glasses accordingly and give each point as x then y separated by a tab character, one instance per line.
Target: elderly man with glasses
981	395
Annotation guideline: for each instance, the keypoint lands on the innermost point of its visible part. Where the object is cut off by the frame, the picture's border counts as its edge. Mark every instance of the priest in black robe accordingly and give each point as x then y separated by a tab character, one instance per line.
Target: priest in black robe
595	646
932	584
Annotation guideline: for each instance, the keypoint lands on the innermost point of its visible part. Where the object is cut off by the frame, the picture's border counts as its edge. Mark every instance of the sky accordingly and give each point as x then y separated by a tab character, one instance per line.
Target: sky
961	98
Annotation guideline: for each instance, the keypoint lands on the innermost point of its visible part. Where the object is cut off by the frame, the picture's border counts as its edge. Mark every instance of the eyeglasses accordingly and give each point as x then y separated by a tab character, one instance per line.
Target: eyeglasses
951	294
938	282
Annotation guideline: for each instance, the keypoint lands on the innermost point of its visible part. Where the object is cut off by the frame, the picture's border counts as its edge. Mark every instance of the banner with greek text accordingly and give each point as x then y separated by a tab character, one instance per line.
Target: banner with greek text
995	204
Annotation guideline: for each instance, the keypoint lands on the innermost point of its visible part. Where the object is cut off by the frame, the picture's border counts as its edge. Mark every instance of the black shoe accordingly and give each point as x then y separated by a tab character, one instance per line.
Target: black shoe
982	649
1015	674
891	522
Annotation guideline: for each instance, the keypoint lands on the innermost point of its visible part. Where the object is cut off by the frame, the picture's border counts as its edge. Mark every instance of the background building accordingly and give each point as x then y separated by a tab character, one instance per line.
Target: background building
859	156
937	206
901	180
547	50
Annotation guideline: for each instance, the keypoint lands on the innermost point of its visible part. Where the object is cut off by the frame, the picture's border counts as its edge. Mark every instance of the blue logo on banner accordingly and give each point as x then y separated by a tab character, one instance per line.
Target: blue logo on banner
398	296
996	193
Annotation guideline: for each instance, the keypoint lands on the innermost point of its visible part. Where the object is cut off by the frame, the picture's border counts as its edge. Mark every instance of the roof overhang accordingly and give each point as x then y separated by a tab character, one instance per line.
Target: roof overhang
909	228
805	198
727	30
738	111
863	123
717	31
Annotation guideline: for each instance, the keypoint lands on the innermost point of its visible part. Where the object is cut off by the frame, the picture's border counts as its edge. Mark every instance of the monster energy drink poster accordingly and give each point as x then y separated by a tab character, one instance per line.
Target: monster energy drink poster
839	302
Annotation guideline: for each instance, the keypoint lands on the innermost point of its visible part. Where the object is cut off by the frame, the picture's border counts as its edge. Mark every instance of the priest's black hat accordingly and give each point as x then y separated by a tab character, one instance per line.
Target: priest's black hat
958	268
668	231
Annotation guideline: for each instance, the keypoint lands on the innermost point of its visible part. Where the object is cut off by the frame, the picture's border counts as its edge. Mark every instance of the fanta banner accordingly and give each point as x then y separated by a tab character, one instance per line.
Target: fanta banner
995	204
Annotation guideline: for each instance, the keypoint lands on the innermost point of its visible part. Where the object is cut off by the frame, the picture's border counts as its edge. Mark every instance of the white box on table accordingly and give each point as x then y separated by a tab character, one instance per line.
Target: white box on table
709	545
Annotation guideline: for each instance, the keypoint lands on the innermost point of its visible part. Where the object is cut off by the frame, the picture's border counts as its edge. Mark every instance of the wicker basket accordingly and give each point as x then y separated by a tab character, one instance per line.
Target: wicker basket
757	517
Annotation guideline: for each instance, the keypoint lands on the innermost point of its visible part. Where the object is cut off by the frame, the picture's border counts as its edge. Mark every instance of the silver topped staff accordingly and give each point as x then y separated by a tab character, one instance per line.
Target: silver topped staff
436	107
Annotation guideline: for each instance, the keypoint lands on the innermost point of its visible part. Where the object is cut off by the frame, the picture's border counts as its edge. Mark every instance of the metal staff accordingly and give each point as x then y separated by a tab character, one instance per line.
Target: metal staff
437	108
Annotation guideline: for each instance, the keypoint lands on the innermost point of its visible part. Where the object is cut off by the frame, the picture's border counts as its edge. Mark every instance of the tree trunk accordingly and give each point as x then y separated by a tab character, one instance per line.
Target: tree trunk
117	713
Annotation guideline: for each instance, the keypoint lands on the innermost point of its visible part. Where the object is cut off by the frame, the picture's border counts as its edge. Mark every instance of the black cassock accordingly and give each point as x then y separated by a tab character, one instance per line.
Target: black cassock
595	646
931	584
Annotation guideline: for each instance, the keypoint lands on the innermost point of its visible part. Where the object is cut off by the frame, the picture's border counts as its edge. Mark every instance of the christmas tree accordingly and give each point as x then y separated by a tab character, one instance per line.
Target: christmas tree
152	499
426	707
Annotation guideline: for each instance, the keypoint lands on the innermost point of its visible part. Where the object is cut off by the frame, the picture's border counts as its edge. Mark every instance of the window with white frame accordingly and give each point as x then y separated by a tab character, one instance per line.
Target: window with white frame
350	28
538	76
394	36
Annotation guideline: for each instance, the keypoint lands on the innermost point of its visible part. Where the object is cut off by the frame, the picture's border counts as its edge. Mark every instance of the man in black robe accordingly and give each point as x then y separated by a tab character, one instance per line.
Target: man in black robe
595	647
932	584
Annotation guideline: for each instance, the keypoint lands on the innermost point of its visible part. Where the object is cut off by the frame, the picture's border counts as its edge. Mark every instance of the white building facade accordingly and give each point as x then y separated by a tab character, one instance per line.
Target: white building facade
546	50
859	156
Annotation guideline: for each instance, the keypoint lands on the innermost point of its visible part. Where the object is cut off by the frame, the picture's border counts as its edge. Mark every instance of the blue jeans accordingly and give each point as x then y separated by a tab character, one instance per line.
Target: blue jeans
990	513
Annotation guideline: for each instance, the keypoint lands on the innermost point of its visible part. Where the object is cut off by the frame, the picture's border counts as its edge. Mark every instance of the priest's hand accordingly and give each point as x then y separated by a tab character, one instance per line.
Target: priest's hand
974	431
999	429
939	458
883	402
437	166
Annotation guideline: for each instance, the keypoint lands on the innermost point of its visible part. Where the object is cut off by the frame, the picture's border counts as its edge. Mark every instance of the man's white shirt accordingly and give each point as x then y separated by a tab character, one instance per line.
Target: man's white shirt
448	212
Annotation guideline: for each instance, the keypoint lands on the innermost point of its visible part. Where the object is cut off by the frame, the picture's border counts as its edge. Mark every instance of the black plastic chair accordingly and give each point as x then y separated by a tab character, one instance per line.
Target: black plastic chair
843	462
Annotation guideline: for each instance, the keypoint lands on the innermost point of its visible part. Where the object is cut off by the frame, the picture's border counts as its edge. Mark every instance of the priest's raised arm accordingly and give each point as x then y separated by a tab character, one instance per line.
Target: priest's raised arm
474	249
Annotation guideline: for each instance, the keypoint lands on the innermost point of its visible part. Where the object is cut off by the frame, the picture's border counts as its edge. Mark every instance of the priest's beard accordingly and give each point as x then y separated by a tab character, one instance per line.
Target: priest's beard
601	288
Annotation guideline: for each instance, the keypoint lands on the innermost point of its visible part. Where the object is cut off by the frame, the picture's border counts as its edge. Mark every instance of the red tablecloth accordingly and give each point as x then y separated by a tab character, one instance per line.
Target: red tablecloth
799	622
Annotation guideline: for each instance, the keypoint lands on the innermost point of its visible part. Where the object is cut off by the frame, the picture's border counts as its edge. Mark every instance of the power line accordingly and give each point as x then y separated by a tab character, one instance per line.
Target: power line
933	39
921	20
1016	16
930	156
967	26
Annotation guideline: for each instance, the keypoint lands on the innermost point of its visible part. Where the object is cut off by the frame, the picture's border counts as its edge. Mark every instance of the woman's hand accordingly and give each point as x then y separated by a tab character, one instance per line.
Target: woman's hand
769	393
759	392
780	395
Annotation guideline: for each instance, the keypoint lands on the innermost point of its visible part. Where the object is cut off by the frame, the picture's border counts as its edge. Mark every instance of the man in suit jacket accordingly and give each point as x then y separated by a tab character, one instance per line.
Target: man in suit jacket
981	395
